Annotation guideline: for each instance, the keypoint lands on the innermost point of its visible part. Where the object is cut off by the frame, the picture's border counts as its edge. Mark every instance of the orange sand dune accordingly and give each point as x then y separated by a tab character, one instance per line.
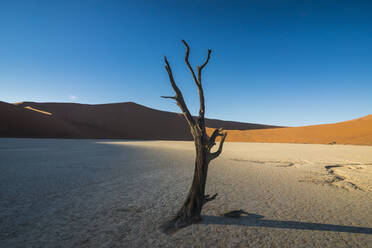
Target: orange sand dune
357	132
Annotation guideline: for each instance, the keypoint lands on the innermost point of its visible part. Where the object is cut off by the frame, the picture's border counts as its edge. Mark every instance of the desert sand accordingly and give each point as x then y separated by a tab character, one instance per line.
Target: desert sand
101	193
357	132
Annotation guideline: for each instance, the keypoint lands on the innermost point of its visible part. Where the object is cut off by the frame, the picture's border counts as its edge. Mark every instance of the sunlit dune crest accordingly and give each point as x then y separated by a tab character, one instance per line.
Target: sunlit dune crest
38	110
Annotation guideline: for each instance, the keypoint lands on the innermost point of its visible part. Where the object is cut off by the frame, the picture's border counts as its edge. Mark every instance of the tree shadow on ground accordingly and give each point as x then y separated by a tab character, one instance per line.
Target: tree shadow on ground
255	220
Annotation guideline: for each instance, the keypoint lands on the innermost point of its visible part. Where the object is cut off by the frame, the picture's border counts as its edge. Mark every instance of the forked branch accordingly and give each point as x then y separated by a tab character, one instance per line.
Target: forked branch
214	155
200	68
212	140
198	83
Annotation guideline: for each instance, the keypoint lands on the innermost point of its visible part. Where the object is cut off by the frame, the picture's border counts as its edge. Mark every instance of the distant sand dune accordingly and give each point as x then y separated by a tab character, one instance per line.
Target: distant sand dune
20	122
112	121
133	121
357	132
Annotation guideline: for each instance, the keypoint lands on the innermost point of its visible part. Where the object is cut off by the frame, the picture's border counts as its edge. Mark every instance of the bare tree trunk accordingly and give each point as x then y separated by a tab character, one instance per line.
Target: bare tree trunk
196	198
193	204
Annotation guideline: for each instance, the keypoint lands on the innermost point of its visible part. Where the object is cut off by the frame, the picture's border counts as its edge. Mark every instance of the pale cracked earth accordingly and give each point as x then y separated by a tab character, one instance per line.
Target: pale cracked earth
97	193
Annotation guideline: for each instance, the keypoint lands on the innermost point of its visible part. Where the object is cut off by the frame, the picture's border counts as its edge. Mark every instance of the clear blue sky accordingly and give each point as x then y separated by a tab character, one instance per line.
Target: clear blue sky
275	62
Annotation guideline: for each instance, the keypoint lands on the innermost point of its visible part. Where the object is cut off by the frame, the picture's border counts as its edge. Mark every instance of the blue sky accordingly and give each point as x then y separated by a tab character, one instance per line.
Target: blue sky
275	62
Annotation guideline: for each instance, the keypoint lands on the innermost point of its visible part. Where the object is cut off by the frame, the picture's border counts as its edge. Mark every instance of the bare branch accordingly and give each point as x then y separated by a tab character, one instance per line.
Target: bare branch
200	68
198	84
201	109
208	198
171	97
218	152
188	63
179	99
215	134
201	93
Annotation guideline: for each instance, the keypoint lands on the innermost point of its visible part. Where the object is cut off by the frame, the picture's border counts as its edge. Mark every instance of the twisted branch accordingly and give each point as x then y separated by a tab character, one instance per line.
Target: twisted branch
212	140
218	152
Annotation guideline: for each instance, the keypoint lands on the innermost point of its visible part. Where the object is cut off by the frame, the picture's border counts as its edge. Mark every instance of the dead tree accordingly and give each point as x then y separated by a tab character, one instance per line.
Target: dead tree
196	198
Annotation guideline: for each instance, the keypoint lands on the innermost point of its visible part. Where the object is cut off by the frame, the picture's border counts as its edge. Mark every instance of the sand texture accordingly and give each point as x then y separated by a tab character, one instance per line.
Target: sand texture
101	193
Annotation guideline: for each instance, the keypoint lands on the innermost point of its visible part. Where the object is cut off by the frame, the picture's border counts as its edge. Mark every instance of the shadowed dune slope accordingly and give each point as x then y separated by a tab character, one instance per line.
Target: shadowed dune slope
118	120
20	122
357	132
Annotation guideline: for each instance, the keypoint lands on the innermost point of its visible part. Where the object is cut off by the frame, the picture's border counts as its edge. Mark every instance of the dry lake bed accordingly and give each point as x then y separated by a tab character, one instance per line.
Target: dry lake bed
101	193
